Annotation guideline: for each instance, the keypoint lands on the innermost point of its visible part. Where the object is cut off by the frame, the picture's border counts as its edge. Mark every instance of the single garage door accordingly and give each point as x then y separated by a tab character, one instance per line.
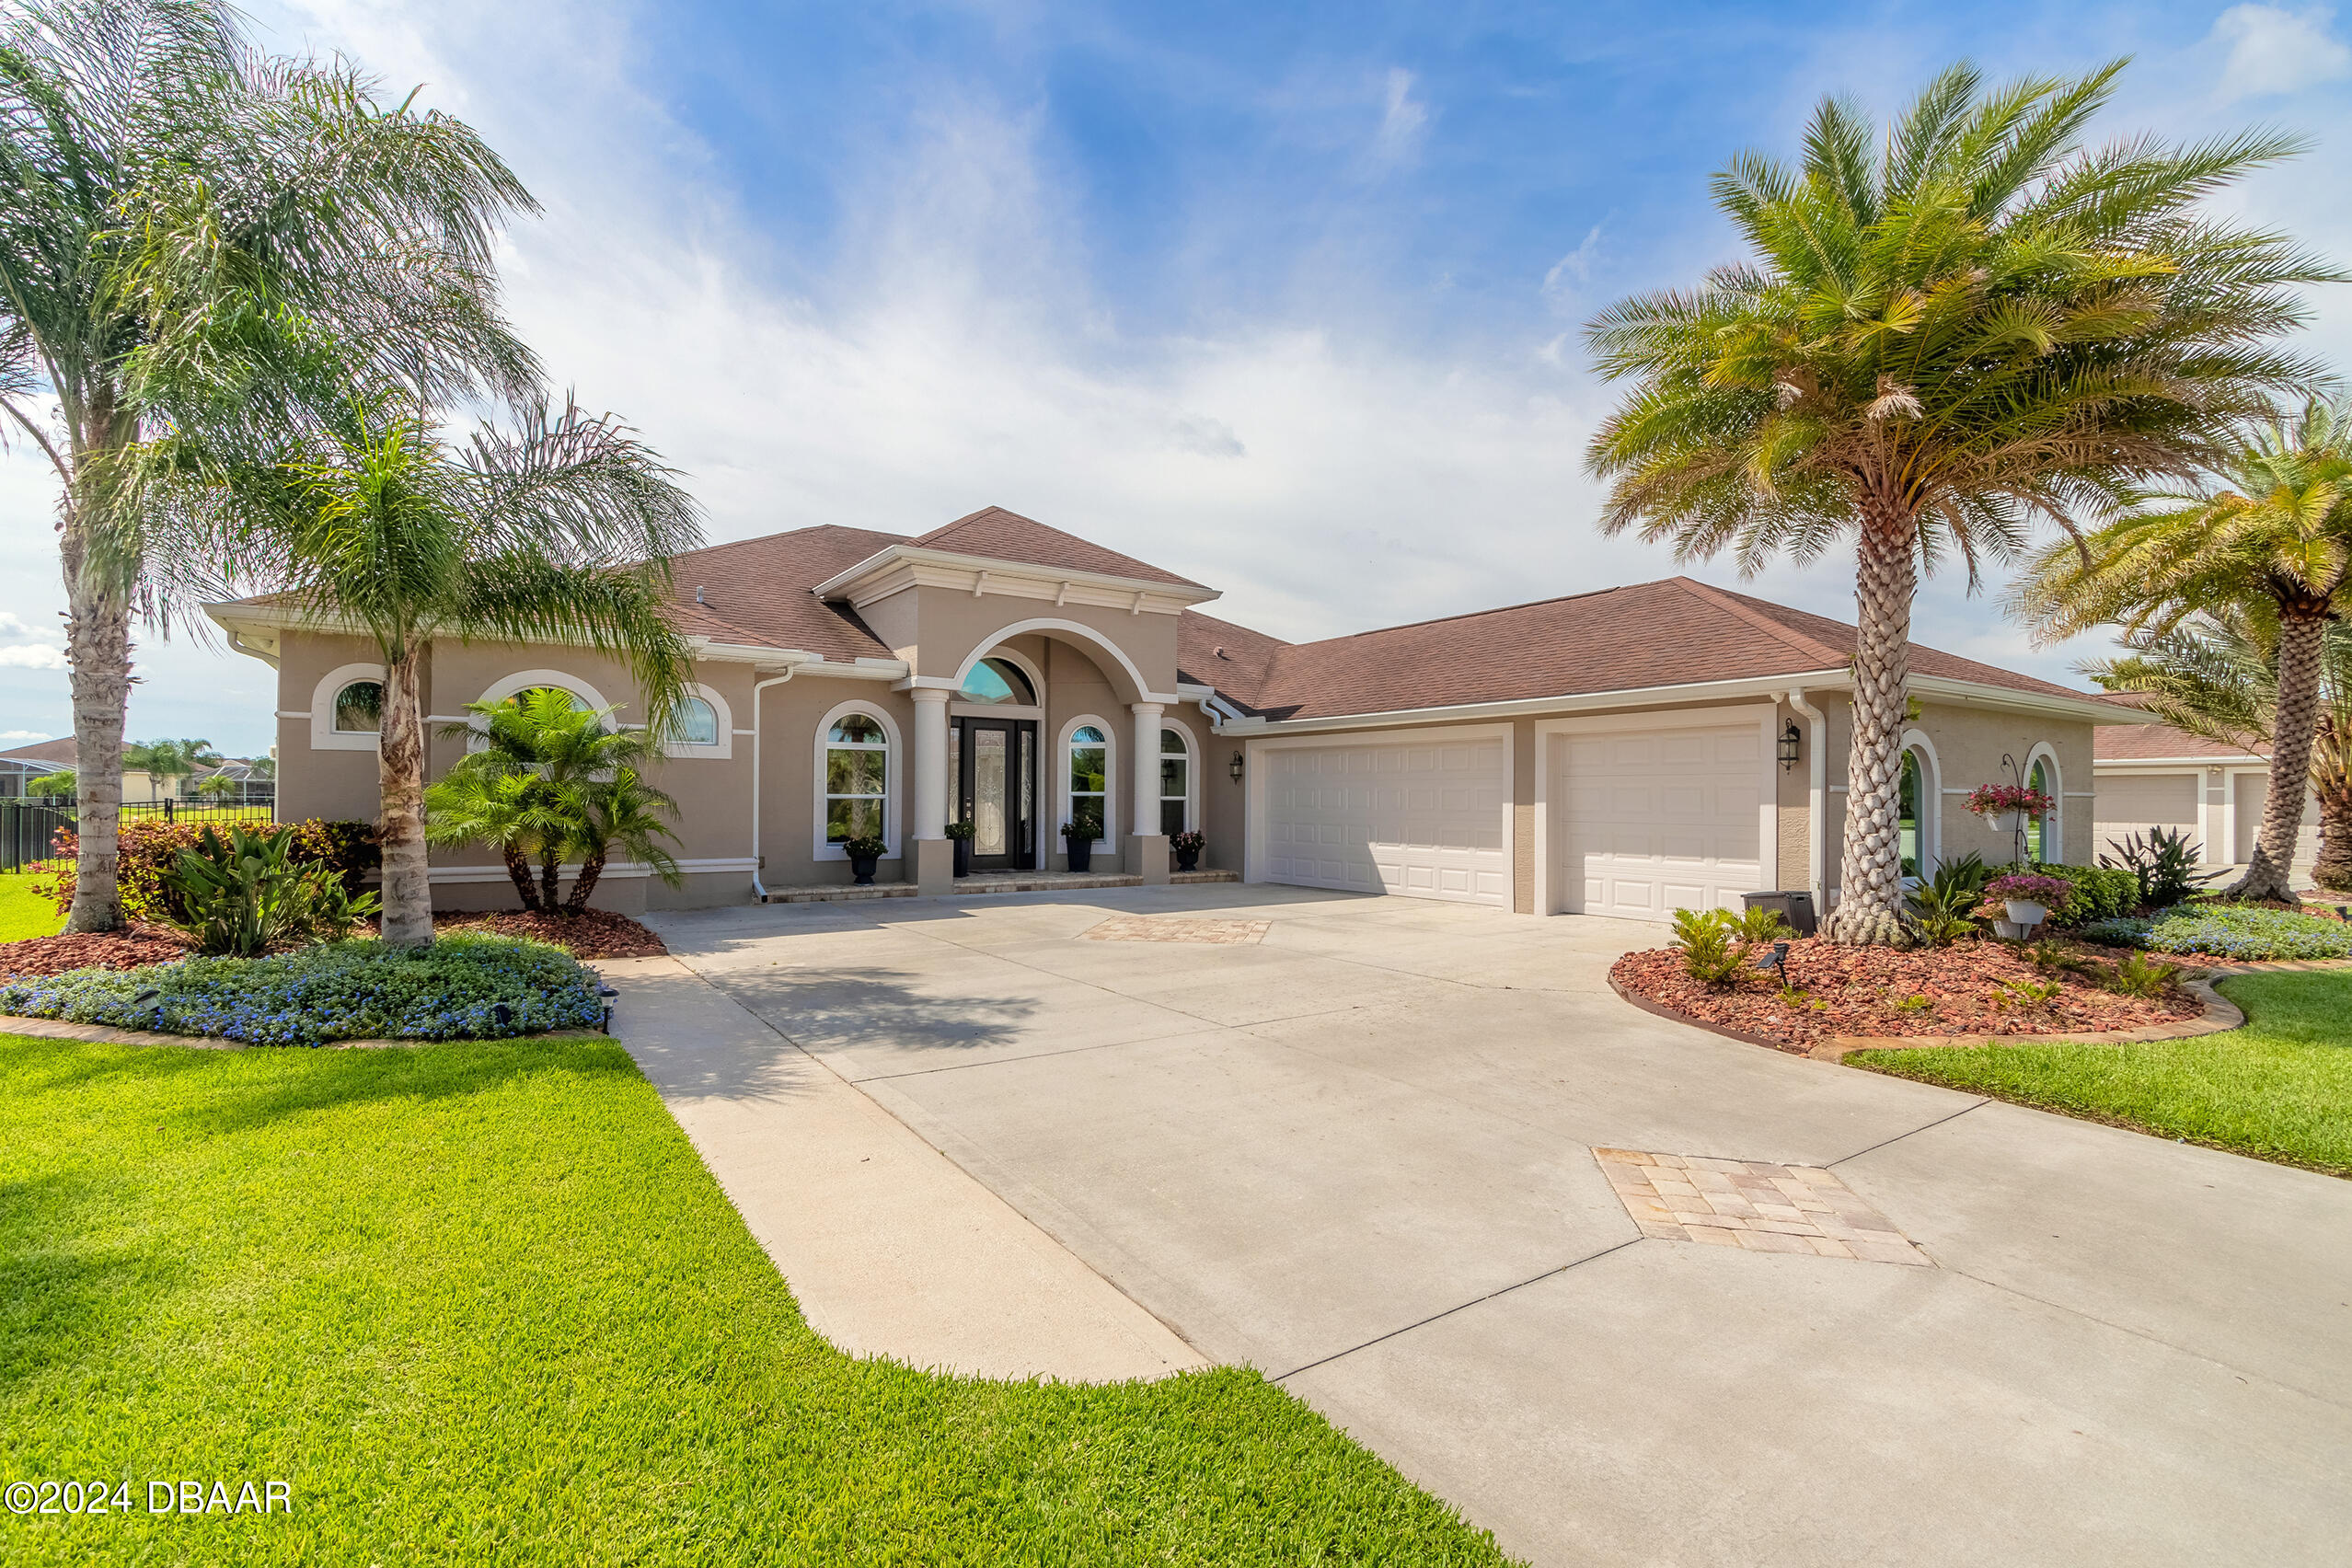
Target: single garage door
2135	803
1418	817
1648	822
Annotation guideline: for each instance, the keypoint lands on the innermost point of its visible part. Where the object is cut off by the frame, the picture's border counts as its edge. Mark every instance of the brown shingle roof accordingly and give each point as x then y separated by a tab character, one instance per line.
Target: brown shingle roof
757	591
2126	743
61	750
1674	632
1008	535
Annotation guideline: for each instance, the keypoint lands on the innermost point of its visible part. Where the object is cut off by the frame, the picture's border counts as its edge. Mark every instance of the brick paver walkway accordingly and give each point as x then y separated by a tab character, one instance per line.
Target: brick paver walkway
1175	928
1751	1204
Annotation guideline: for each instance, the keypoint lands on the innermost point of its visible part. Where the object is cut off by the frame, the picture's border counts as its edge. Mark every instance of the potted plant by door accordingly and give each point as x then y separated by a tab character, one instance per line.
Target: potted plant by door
863	851
2029	898
1078	838
1188	846
960	834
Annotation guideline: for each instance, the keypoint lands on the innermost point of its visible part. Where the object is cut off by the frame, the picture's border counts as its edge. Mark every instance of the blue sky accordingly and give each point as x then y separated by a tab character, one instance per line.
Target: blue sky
1284	297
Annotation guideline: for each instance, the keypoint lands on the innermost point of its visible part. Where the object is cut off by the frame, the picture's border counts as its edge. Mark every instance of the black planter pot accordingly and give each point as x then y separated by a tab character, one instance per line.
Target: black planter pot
863	868
1081	853
1188	859
963	856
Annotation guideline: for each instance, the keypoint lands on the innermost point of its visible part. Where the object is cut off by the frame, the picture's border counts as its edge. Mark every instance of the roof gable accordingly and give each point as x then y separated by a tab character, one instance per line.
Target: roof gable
999	535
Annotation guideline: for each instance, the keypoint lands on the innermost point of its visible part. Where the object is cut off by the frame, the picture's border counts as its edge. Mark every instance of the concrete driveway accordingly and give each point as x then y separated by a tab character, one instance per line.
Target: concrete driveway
1356	1153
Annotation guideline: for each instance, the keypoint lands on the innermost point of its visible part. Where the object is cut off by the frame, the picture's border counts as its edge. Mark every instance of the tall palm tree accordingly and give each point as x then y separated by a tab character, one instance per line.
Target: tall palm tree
163	189
1931	342
560	530
2216	675
171	759
2271	526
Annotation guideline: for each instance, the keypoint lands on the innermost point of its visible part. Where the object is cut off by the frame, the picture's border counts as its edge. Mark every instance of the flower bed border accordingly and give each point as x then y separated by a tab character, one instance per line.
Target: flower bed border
2220	1015
107	1034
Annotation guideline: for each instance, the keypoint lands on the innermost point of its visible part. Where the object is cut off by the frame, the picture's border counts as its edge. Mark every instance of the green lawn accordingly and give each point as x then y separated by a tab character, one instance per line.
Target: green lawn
24	913
481	1303
2279	1088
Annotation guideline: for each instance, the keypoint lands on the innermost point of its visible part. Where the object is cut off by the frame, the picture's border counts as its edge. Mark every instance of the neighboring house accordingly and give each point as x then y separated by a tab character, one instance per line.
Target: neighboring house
22	765
1622	752
2154	776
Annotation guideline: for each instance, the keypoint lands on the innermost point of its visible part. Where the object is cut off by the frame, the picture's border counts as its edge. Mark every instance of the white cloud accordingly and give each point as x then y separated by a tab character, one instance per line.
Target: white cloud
32	656
1564	284
1402	121
17	737
2275	50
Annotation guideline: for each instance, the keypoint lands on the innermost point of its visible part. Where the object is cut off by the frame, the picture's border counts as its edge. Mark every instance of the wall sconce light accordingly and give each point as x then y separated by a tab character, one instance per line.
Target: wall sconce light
1234	767
1792	743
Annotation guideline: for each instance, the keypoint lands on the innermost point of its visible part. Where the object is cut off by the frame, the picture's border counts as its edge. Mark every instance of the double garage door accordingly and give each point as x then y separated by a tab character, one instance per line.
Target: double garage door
1642	822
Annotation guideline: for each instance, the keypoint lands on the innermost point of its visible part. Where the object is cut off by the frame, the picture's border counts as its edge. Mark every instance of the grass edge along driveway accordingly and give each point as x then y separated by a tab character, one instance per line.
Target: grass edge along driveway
2279	1088
481	1302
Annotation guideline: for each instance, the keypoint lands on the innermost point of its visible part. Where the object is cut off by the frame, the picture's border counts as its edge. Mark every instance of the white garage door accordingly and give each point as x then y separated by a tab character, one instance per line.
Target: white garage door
1418	817
1645	822
2135	803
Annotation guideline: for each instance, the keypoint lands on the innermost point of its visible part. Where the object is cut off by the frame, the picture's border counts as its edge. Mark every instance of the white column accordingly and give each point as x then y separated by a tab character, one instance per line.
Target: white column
930	762
1145	765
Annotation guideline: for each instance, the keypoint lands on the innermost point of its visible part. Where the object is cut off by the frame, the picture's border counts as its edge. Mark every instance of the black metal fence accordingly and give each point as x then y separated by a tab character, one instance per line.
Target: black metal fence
30	825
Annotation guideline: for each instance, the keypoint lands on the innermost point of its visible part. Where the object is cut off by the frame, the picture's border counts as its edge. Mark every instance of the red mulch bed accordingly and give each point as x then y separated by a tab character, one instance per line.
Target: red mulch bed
591	934
1854	990
132	948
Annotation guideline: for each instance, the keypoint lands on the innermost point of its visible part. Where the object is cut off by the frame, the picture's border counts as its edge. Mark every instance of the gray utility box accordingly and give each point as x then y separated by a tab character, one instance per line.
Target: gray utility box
1795	908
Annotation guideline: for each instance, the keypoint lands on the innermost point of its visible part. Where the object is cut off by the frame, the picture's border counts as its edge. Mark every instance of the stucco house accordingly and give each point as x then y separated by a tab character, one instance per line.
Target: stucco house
1623	751
2151	775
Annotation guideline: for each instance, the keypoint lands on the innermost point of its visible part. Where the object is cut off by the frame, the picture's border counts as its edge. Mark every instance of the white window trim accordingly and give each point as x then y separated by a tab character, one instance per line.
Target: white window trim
1932	794
723	751
2054	822
894	763
324	736
1110	779
1191	770
524	680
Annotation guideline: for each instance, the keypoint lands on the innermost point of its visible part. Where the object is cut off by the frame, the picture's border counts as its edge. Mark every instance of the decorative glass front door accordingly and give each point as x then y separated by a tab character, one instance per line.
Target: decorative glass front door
996	761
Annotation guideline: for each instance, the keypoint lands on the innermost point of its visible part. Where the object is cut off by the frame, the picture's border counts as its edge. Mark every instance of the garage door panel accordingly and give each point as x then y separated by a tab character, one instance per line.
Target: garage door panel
1416	818
1649	822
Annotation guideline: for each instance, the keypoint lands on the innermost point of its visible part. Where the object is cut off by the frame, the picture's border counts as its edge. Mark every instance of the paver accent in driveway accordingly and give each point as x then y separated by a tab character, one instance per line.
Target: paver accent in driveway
1752	1203
1146	928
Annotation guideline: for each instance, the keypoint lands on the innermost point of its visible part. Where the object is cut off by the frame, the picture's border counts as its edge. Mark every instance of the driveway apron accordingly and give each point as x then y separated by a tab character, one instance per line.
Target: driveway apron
1354	1149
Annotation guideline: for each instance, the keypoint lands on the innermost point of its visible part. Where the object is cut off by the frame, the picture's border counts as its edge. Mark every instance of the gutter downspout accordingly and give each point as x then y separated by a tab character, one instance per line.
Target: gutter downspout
1817	812
759	888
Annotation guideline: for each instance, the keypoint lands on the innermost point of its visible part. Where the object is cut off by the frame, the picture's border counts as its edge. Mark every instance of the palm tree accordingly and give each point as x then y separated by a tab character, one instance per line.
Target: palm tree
559	531
2272	527
1930	343
2216	675
168	760
484	800
164	191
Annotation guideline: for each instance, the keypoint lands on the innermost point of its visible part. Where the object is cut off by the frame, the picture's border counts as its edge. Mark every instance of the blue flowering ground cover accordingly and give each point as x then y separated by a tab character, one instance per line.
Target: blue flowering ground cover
2227	931
461	987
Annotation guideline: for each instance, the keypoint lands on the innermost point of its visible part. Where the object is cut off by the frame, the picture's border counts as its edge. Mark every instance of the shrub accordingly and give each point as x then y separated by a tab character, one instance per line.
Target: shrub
2228	931
148	850
2139	975
1715	942
461	987
245	894
2163	863
2093	893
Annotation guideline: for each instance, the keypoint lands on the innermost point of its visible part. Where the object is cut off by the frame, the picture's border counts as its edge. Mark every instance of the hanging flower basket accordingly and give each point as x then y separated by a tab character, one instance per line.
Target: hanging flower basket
2002	805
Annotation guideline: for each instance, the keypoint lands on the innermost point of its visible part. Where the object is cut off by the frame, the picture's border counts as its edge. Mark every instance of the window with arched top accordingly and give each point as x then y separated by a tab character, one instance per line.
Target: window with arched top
359	708
1175	782
1089	778
2042	829
997	683
696	723
856	781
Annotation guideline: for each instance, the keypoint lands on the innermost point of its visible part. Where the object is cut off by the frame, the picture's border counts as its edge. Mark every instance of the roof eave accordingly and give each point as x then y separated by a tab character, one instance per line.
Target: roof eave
842	584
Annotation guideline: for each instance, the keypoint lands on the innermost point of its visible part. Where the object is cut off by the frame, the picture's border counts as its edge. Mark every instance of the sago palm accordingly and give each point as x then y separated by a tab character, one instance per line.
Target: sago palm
2272	527
1934	339
560	531
2216	675
163	189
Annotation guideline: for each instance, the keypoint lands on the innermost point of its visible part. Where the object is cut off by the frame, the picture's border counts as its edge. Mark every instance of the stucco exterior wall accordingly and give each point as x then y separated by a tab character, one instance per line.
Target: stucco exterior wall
791	714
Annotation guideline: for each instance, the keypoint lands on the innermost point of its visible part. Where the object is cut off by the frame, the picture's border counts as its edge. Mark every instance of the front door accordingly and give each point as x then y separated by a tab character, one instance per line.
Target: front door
997	783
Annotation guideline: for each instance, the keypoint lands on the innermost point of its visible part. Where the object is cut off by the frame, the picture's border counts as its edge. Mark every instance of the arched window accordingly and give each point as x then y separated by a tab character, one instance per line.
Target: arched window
857	779
1175	782
1912	818
997	681
696	725
1089	775
2042	831
359	708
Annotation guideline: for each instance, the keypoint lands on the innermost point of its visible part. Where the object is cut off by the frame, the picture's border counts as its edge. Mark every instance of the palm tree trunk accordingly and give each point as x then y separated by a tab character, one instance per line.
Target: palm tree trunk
518	872
550	879
1870	868
408	889
591	866
2301	635
2334	868
98	648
